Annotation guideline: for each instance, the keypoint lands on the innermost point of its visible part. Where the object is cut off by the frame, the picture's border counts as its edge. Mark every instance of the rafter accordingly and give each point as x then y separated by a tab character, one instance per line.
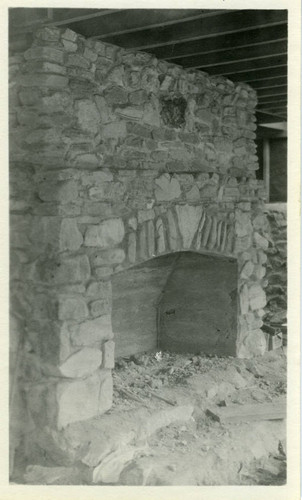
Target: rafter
242	66
199	29
234	41
145	19
272	49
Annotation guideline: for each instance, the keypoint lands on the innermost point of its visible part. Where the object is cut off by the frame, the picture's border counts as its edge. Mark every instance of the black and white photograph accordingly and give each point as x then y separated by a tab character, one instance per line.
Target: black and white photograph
148	226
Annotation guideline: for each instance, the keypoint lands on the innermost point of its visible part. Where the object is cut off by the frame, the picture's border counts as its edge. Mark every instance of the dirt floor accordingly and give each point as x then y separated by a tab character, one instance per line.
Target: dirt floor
202	450
162	428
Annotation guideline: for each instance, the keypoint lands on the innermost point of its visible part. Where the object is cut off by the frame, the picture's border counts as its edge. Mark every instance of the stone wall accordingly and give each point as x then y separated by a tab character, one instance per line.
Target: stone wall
116	157
276	291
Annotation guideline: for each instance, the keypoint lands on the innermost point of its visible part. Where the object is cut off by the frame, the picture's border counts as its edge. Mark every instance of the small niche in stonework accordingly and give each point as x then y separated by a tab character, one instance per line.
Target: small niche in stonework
173	111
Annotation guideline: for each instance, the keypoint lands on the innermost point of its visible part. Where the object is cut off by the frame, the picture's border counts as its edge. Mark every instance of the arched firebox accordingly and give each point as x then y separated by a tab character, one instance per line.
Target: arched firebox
181	302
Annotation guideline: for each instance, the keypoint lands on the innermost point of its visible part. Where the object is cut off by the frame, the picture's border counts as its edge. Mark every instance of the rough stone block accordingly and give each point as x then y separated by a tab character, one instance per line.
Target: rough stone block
105	111
100	289
82	363
70	236
108	354
37	474
63	271
100	307
108	191
103	272
260	241
70	46
69	35
209	191
167	188
114	130
92	332
54	103
130	113
110	468
142	238
90	54
96	178
72	308
132	223
45	54
132	248
247	270
108	257
257	297
188	221
243	226
254	344
78	400
138	97
88	116
44	80
45	67
105	235
151	238
193	194
116	95
145	215
172	232
160	236
244	299
106	391
77	60
63	192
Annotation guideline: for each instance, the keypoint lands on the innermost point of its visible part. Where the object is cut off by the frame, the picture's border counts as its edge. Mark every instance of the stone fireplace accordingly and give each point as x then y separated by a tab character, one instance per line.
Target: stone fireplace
136	219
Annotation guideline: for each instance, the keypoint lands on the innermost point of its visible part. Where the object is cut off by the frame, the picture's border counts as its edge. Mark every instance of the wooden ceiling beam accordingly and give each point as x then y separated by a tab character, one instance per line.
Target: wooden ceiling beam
265	117
260	74
269	83
272	92
233	56
280	111
60	19
243	66
54	17
273	99
233	41
216	25
269	110
136	20
277	107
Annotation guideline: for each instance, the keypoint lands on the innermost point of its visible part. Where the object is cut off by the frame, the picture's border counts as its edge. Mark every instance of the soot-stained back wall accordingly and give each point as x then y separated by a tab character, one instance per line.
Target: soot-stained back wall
182	302
199	306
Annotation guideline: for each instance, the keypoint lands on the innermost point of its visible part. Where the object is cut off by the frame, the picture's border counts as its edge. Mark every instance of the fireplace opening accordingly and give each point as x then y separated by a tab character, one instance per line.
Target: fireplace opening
181	302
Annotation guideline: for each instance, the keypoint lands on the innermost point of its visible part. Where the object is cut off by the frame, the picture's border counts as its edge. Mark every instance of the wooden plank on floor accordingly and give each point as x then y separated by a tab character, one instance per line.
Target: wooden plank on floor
236	413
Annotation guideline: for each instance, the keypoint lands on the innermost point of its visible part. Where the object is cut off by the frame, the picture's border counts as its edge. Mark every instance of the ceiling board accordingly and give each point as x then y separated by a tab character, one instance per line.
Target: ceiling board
222	42
269	83
230	68
216	24
233	56
120	23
